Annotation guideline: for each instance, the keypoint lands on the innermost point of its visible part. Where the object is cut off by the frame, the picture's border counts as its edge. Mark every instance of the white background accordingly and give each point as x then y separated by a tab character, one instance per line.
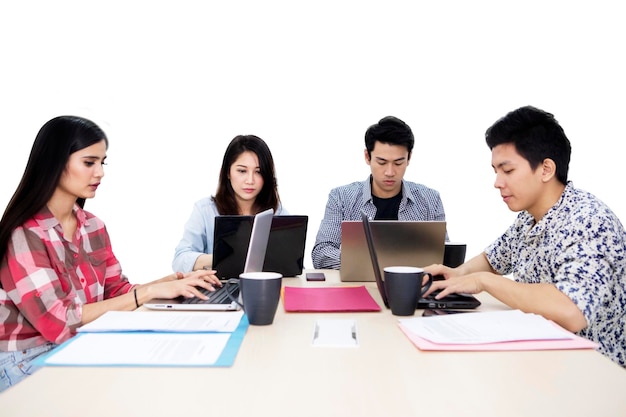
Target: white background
172	82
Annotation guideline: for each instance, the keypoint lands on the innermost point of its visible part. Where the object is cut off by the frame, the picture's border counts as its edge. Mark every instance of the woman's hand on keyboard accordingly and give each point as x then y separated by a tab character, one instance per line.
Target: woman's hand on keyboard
187	286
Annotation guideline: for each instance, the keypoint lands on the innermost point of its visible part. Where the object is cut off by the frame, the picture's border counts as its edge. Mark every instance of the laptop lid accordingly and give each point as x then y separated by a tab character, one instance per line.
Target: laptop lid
257	245
254	258
374	258
409	243
285	247
452	301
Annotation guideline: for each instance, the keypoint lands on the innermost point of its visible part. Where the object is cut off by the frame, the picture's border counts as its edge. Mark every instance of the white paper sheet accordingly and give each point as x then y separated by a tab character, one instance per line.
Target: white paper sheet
161	349
488	327
335	333
166	321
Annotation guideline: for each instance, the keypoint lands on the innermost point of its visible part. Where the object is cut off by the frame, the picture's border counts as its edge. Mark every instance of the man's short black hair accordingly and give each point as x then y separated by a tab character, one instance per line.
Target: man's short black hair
536	136
390	130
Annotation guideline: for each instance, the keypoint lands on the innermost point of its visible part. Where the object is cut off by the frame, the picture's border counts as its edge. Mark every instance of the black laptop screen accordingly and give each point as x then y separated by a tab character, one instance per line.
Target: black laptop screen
285	248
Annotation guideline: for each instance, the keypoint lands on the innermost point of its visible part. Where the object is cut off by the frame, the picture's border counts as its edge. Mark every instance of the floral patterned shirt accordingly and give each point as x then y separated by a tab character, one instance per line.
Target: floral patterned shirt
579	247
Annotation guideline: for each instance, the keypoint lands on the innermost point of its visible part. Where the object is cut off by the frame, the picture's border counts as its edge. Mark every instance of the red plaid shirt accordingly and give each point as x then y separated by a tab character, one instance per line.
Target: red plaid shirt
46	279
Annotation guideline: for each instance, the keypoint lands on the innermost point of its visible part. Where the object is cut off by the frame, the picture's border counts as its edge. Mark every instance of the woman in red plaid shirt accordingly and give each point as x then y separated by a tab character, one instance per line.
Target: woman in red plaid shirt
57	268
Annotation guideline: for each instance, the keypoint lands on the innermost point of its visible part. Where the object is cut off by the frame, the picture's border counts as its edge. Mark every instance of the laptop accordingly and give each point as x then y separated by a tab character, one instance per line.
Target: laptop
452	301
409	243
285	248
223	299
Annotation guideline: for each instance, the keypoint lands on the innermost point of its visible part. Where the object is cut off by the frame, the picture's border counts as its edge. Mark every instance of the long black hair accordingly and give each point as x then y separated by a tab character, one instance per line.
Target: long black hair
56	141
224	198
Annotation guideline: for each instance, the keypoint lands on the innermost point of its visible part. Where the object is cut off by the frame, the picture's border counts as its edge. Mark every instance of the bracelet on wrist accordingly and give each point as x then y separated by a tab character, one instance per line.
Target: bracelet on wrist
135	293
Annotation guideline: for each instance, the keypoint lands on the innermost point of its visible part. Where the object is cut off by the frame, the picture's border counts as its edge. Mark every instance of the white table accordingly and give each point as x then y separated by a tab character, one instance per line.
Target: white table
278	372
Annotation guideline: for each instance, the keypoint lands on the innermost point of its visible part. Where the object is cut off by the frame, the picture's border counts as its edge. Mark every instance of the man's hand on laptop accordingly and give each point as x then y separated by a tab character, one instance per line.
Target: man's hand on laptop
453	282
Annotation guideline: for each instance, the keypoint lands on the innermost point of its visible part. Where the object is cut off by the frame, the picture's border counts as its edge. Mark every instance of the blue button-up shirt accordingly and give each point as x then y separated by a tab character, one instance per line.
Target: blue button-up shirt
198	234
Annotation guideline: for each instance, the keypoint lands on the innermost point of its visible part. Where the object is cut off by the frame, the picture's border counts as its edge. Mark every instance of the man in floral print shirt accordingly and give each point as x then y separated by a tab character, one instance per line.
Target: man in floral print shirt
566	248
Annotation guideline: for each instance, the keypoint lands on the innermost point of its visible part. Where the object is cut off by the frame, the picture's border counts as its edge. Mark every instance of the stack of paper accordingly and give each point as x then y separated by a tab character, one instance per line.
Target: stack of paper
166	321
498	330
154	339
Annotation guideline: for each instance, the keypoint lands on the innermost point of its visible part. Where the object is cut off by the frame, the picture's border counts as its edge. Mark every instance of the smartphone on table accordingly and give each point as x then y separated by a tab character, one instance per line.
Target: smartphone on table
315	276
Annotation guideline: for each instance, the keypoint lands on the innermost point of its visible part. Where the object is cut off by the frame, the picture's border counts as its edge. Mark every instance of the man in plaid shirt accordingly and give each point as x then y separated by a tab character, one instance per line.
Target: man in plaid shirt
384	195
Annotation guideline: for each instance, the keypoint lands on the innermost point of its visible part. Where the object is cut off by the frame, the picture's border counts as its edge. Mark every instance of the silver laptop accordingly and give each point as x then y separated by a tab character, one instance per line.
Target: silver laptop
452	301
408	243
224	298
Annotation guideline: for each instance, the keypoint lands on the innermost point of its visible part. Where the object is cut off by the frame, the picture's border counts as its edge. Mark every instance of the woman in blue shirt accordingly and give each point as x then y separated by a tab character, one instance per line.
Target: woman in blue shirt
247	186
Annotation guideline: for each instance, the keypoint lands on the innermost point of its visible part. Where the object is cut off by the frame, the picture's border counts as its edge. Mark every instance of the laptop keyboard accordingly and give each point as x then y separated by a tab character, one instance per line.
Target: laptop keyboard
219	296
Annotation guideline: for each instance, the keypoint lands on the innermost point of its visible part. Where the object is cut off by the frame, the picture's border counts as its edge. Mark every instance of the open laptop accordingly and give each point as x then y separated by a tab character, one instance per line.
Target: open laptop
220	299
452	301
409	243
285	248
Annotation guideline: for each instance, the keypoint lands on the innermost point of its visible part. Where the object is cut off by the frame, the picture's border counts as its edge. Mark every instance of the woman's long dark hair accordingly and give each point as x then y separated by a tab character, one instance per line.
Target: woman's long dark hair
55	142
224	198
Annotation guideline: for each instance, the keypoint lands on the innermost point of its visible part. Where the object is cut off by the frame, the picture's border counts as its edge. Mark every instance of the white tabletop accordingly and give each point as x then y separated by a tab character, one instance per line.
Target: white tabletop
278	372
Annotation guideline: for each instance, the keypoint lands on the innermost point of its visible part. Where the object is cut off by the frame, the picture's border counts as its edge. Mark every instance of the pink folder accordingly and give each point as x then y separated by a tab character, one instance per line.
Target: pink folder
576	342
328	299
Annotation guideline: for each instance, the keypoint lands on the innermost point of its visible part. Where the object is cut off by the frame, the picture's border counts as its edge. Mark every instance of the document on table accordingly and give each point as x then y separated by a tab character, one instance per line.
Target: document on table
335	333
487	327
213	345
141	349
165	321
